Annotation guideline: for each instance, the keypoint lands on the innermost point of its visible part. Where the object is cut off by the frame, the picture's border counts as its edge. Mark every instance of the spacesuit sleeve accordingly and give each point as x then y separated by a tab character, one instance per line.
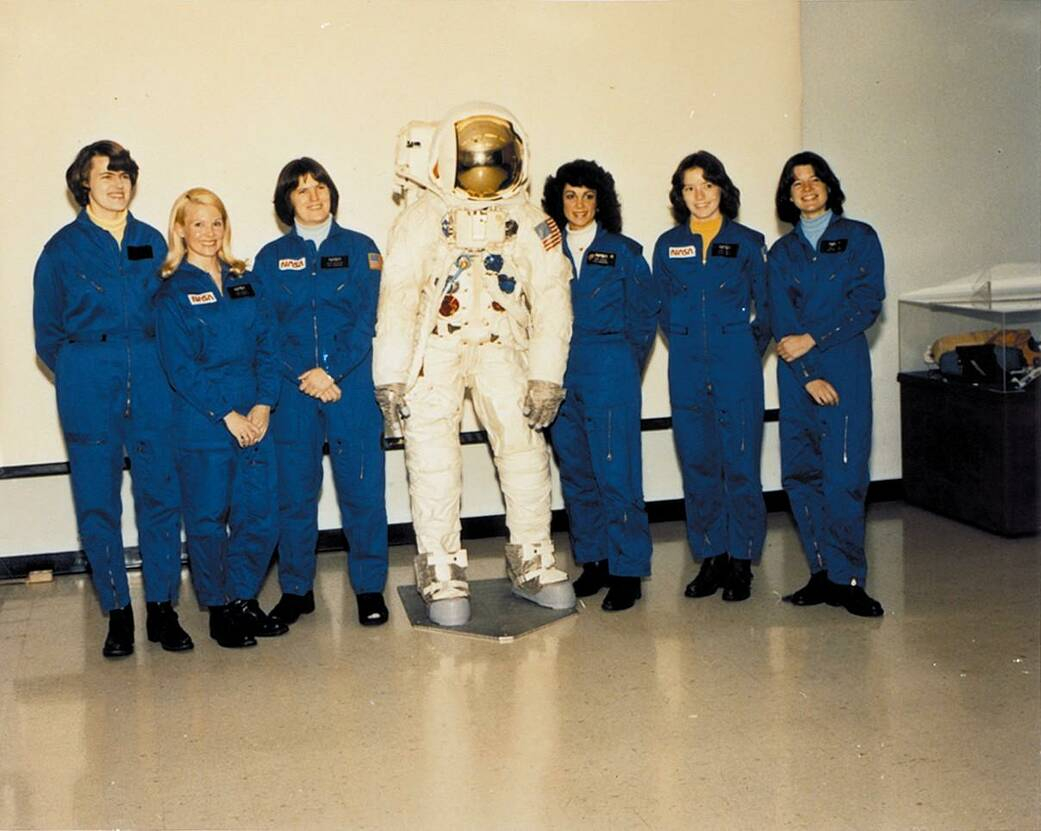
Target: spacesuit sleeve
267	360
359	344
549	290
177	357
264	273
662	285
863	295
783	318
642	304
47	309
401	285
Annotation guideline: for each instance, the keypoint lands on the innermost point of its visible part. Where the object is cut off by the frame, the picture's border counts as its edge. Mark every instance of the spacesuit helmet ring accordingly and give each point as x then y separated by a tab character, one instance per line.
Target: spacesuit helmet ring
489	155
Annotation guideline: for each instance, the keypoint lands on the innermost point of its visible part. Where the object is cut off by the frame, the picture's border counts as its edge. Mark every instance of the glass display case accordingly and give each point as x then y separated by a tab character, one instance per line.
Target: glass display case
970	398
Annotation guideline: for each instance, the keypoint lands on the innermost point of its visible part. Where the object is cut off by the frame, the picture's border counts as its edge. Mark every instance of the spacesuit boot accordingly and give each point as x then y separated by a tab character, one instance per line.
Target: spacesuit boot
533	571
441	581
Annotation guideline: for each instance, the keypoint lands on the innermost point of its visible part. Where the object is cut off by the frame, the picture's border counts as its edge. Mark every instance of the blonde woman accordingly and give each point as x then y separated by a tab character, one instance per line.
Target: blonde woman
217	346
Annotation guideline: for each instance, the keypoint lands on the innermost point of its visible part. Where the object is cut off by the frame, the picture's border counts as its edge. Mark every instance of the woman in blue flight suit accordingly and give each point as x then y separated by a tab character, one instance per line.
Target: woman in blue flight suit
323	283
95	330
596	436
217	346
712	269
826	289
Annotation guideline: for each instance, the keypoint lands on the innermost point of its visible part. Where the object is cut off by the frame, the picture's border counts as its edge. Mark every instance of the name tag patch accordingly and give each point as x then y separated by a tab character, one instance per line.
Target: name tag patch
375	261
139	252
600	258
241	290
682	252
289	264
201	299
834	246
724	249
337	261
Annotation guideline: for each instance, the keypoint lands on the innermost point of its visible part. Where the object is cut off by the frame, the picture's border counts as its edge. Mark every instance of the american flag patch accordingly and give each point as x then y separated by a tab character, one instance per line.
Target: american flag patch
375	261
549	233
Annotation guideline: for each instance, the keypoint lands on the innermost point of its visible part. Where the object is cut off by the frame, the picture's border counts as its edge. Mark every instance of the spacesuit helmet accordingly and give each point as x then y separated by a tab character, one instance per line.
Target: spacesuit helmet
479	153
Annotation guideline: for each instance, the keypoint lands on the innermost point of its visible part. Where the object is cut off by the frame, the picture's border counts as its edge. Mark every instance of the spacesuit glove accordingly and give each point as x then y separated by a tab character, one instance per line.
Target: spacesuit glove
391	400
542	402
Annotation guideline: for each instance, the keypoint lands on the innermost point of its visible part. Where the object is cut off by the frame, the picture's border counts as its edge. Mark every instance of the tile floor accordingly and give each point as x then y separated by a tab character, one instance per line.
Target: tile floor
678	714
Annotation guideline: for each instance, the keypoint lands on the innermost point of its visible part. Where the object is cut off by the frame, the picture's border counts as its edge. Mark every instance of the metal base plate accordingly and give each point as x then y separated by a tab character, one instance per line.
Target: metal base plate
496	613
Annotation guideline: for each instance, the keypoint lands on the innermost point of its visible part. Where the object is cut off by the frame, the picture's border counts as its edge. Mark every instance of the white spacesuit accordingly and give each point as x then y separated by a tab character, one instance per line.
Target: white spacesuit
475	296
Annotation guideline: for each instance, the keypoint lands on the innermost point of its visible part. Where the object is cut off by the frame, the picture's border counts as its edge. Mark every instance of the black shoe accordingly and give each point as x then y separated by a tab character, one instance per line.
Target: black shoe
854	600
165	629
594	577
228	629
120	640
372	611
254	621
813	593
738	582
291	606
711	576
623	593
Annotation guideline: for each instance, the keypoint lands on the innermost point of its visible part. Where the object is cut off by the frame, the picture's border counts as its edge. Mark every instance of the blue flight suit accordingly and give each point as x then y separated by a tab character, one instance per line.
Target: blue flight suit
220	354
95	330
596	435
324	300
716	381
833	292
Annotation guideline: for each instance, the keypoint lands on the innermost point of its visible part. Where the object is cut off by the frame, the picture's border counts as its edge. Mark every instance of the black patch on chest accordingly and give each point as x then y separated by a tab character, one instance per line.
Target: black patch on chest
600	258
724	249
335	261
240	290
834	246
139	252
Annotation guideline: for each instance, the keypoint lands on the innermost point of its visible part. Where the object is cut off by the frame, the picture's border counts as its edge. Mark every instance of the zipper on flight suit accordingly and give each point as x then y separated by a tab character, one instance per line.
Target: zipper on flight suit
845	438
314	305
126	324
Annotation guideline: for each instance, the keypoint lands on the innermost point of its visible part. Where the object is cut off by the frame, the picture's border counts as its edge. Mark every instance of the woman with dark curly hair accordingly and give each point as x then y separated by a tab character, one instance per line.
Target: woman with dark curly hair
596	436
711	269
826	289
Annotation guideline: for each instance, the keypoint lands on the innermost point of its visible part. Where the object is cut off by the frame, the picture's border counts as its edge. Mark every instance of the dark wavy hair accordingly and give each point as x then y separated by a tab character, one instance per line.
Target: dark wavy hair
288	180
78	174
714	172
786	209
582	173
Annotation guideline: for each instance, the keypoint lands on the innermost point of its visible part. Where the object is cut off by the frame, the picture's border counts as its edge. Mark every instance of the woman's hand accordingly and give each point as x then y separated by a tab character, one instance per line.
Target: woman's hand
244	431
260	417
823	393
791	347
315	381
331	395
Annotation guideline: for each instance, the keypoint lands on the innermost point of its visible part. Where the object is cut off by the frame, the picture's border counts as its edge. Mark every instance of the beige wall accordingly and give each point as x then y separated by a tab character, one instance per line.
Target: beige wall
223	93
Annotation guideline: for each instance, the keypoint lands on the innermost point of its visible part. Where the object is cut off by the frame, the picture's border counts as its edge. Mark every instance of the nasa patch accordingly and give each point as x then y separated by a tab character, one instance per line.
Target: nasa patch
290	264
203	298
682	252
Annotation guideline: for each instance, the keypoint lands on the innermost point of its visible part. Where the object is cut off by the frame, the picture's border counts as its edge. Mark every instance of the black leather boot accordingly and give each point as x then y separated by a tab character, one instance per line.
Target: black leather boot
165	629
622	594
738	583
228	630
254	621
594	577
291	606
813	593
120	640
711	576
372	610
854	600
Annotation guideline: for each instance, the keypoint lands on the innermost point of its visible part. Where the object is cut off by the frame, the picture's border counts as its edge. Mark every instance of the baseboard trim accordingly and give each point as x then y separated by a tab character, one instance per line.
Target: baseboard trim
18	566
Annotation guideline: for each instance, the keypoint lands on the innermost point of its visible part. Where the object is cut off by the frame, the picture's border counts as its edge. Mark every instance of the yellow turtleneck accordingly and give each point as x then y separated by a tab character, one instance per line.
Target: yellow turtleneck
116	226
707	230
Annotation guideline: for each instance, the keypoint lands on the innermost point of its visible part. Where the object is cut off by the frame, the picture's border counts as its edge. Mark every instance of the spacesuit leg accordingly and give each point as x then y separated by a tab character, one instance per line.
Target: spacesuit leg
695	430
434	463
498	384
